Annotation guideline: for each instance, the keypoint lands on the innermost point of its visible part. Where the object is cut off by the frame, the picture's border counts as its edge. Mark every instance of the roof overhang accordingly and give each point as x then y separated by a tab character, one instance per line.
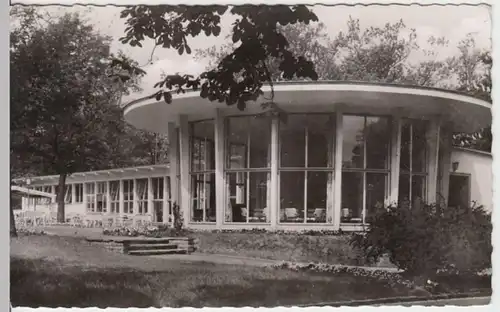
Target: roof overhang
96	175
31	192
465	113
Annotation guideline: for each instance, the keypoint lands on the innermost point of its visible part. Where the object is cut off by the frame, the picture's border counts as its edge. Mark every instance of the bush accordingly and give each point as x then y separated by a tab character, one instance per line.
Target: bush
146	231
423	241
178	219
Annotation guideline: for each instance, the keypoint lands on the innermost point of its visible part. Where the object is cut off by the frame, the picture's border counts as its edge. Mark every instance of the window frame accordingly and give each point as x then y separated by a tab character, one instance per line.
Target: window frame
128	196
246	171
101	193
411	174
364	170
114	201
141	200
78	193
330	169
90	196
195	199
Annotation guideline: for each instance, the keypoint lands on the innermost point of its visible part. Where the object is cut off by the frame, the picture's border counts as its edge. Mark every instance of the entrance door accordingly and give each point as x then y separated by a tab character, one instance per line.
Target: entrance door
459	190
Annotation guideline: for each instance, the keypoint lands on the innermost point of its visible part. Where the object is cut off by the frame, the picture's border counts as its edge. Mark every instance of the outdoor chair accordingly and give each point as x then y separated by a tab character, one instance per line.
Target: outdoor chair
108	221
93	220
291	213
125	221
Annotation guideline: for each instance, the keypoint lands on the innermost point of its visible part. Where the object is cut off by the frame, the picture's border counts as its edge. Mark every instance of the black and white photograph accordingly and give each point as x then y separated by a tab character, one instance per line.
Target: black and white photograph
239	155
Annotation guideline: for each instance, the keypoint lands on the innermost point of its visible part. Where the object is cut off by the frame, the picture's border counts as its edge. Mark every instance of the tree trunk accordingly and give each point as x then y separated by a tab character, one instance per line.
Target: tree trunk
60	198
13	231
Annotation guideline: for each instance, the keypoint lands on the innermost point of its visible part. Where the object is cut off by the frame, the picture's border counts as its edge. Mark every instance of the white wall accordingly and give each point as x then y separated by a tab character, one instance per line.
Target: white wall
479	166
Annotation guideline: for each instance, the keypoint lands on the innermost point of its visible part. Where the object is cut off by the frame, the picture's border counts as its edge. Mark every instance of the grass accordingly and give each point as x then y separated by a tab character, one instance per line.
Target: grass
286	247
68	272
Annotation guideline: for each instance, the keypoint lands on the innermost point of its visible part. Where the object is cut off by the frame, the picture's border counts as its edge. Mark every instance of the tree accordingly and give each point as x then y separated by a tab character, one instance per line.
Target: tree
255	35
64	95
309	40
278	43
472	68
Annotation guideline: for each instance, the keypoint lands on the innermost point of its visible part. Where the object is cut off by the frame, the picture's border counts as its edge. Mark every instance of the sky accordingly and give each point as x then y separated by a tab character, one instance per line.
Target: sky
452	22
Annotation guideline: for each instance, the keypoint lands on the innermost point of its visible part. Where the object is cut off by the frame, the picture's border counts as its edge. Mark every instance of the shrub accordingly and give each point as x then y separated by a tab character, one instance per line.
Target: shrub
178	219
428	239
394	279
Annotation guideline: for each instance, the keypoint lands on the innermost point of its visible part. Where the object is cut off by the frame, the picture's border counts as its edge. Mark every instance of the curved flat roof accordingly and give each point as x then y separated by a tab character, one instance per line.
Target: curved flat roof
466	113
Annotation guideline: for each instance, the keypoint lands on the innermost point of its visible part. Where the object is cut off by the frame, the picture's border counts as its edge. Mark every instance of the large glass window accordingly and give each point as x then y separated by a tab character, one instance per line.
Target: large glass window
202	171
142	196
90	196
413	163
101	197
365	166
306	167
128	196
157	185
248	168
68	194
114	190
78	193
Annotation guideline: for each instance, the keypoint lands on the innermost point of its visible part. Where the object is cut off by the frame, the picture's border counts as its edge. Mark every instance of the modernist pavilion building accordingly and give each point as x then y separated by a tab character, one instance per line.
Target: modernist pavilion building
344	150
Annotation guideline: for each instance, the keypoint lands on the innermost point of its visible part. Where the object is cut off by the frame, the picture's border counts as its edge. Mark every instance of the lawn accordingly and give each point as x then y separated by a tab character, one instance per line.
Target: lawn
332	249
68	272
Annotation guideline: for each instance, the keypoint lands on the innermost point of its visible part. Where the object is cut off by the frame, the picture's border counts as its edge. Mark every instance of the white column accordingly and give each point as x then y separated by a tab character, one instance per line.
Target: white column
184	168
134	191
173	145
275	201
445	146
166	198
433	137
53	191
84	196
95	197
150	196
108	198
220	197
73	193
120	196
337	176
395	158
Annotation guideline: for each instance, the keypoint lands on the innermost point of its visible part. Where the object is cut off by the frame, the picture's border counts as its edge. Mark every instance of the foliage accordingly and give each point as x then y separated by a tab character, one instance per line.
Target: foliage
65	96
309	40
428	239
178	218
280	246
145	231
240	75
393	278
382	54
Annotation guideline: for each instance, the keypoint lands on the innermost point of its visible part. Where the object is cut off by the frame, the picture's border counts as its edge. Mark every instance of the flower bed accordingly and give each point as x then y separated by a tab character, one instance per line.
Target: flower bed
144	231
393	278
280	245
29	231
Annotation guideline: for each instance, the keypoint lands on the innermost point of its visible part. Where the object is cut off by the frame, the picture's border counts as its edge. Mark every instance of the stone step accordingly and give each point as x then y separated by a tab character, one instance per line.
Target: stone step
147	241
140	246
148	252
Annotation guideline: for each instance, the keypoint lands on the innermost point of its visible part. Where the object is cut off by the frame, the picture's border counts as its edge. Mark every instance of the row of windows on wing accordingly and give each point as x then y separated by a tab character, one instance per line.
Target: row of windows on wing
306	162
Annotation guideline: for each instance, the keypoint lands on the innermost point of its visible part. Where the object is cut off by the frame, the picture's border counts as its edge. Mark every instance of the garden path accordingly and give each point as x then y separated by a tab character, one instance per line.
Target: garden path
193	257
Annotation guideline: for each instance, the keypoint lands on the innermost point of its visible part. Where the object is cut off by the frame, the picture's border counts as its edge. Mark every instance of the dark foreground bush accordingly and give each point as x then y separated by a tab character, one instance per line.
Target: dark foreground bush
429	239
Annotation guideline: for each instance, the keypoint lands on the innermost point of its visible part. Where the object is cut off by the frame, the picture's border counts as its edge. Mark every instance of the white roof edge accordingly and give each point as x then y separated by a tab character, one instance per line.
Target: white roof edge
339	86
31	192
98	172
474	151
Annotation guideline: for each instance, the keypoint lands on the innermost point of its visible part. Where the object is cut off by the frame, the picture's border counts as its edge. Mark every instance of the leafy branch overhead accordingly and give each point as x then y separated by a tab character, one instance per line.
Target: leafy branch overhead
240	75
